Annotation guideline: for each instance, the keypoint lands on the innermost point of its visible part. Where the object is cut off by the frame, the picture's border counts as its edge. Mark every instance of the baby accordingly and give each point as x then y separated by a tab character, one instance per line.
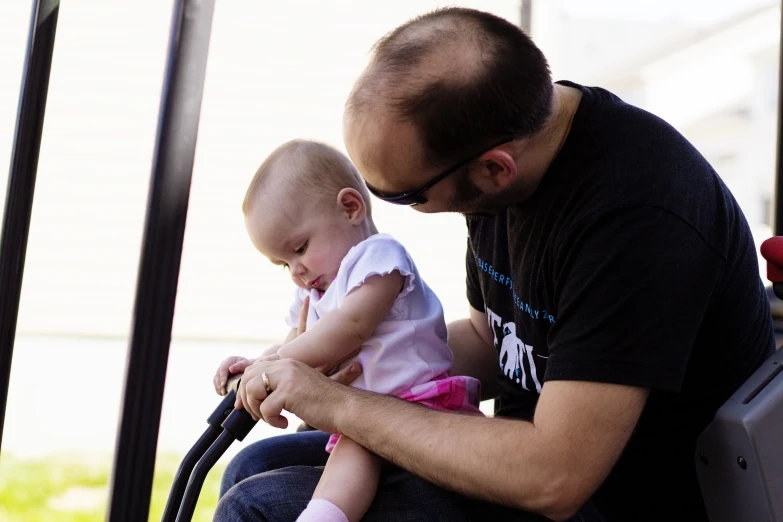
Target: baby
307	209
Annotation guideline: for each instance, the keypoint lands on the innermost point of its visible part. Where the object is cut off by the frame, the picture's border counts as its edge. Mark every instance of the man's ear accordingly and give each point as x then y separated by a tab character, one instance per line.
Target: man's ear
497	171
352	205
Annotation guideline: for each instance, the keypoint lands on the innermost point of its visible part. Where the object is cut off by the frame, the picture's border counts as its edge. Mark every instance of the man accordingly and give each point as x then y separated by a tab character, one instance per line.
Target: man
609	269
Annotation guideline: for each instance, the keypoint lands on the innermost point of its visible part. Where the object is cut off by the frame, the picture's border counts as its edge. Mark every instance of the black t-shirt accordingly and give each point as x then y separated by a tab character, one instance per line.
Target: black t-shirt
631	264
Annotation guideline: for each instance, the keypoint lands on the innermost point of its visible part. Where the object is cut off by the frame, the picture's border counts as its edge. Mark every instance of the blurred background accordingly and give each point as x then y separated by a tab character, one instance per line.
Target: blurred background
277	71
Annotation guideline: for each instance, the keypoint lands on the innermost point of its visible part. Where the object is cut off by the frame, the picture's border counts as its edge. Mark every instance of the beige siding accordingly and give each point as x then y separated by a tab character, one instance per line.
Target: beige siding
277	70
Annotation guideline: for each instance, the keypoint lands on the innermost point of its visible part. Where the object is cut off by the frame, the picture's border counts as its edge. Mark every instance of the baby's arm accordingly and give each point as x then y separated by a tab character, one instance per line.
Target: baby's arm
275	347
345	329
235	364
239	365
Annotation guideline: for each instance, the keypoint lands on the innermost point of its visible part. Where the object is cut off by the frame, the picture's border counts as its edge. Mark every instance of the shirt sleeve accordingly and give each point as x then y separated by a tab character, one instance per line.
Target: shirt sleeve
378	255
632	287
292	319
475	297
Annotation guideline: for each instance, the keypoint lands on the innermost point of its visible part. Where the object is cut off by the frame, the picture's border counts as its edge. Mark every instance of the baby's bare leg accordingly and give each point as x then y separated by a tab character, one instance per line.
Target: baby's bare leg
350	479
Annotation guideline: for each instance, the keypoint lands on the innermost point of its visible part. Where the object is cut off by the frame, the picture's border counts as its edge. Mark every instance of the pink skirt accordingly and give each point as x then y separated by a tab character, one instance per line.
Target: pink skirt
445	393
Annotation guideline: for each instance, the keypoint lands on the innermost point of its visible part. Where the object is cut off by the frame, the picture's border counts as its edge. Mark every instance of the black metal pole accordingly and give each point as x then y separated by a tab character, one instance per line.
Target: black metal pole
156	287
21	179
526	16
779	160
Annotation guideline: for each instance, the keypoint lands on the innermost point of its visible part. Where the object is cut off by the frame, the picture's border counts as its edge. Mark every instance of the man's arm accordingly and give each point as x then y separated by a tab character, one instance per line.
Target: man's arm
472	344
607	279
550	466
341	331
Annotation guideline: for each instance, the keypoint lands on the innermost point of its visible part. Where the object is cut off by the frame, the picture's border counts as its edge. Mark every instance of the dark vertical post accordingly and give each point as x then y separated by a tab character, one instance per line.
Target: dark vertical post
21	179
156	287
779	160
526	14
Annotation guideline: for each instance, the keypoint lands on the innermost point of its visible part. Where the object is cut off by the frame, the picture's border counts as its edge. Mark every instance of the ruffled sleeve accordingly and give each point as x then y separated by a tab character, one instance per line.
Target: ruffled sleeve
381	255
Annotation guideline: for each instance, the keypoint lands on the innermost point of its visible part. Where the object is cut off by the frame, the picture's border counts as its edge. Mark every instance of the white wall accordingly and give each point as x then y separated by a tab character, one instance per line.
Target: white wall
277	70
719	89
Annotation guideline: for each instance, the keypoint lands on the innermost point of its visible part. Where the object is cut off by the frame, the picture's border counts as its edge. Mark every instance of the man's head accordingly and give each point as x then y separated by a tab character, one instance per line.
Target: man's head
441	91
305	208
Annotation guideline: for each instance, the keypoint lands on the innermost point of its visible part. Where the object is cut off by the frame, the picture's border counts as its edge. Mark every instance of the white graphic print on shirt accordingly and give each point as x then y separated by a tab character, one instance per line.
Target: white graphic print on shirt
514	354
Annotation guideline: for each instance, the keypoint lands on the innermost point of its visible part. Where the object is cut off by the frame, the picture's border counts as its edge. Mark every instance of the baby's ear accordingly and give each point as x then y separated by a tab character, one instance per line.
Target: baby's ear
352	205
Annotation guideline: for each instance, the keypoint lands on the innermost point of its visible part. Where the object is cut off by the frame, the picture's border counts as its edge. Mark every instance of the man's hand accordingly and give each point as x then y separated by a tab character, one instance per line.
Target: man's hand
297	388
236	364
251	398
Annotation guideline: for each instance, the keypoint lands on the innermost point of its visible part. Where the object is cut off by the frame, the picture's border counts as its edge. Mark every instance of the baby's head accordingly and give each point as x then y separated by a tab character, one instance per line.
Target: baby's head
305	208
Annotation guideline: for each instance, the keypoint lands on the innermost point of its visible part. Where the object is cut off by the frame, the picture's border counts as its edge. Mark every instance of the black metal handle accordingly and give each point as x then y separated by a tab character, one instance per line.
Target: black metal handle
239	423
225	407
193	490
198	450
183	473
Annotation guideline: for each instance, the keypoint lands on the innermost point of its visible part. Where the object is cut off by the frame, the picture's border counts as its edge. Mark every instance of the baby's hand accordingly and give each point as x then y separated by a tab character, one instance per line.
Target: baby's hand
228	367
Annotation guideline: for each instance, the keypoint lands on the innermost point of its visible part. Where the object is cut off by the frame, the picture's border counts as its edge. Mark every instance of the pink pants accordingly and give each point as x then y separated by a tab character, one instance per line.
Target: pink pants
445	393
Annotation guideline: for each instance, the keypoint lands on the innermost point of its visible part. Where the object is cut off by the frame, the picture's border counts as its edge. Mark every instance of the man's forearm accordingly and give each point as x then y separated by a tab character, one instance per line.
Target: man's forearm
497	460
473	357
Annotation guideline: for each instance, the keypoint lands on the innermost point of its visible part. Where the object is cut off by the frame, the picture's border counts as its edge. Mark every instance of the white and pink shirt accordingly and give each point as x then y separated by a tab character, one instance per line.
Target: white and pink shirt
408	347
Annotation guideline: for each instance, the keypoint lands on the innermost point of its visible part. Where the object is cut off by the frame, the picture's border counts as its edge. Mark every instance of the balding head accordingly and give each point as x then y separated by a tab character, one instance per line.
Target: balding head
462	79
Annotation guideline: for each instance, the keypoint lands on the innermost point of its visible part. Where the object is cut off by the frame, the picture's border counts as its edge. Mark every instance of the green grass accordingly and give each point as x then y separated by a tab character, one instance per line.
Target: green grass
30	489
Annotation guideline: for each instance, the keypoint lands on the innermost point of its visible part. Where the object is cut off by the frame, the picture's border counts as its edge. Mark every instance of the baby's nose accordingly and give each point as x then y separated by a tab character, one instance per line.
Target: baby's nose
299	269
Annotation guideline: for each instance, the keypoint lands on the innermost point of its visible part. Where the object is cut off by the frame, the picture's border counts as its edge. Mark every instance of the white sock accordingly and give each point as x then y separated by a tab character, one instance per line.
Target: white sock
320	510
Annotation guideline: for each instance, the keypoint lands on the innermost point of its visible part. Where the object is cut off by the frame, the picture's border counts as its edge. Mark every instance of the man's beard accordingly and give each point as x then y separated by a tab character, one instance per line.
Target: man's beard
471	202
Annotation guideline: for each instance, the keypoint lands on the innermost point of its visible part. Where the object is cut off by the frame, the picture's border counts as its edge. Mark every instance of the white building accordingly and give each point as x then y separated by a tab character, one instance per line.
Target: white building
718	87
279	70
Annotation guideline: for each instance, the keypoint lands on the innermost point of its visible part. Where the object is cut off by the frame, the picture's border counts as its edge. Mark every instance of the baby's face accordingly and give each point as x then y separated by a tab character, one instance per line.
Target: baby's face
310	240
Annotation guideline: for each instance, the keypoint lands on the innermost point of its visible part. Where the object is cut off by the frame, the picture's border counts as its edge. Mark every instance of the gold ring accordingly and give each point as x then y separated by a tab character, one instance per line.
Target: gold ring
265	378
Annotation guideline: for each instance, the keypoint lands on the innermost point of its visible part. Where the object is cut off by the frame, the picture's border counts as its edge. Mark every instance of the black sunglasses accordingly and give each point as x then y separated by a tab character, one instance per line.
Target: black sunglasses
416	196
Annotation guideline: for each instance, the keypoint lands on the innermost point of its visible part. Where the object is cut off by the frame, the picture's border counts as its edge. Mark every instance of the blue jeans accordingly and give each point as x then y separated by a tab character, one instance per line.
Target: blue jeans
274	479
